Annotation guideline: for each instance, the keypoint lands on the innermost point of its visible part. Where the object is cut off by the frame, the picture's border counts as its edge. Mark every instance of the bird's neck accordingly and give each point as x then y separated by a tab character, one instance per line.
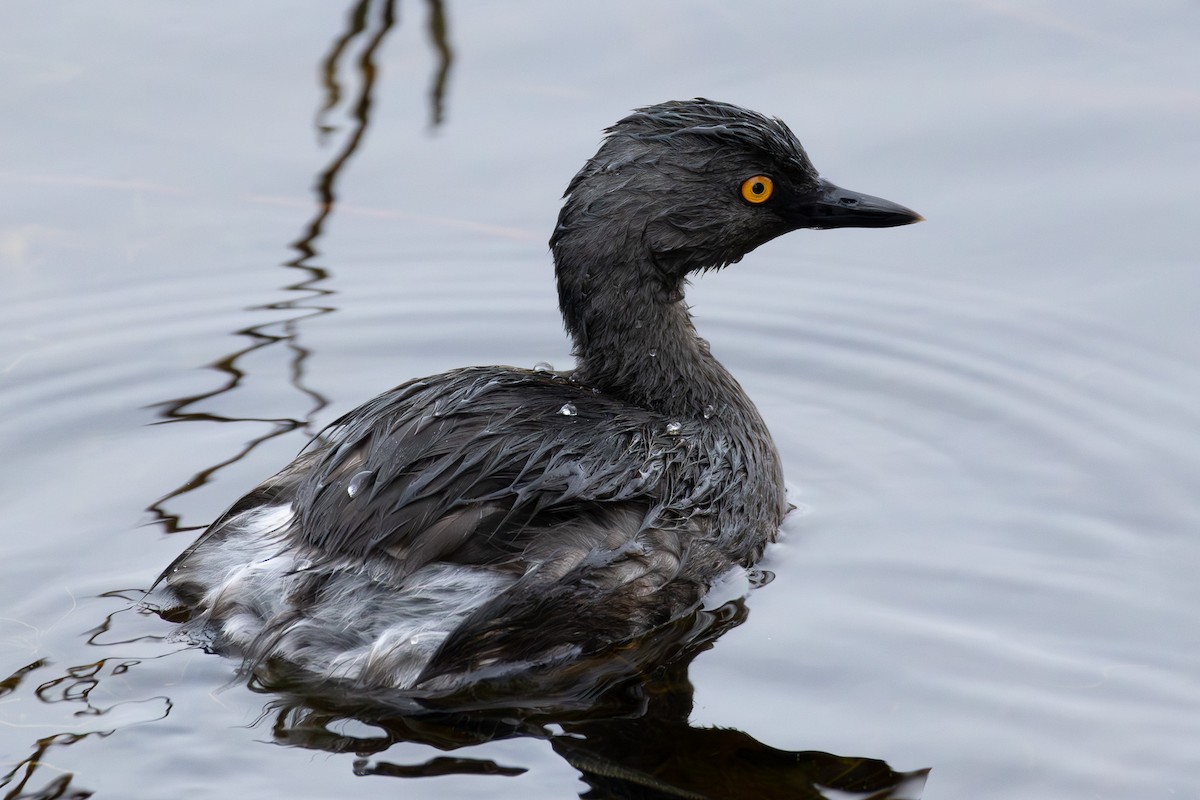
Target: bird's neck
634	339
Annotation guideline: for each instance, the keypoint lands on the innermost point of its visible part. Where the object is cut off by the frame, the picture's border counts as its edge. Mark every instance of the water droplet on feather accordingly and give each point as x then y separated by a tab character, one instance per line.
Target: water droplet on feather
358	481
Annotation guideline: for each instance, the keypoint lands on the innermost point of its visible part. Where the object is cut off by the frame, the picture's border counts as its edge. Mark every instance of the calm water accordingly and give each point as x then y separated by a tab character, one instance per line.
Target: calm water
989	420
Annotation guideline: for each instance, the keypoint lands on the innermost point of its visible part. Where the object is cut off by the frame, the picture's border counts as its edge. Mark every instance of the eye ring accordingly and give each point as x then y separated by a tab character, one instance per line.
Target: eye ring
757	189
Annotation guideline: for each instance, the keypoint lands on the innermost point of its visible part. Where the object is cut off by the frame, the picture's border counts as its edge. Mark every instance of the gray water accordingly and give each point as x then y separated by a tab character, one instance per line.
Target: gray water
988	420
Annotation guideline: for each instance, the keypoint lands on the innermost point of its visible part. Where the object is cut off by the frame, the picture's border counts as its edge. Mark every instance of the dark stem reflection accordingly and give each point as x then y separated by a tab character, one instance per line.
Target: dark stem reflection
438	30
307	294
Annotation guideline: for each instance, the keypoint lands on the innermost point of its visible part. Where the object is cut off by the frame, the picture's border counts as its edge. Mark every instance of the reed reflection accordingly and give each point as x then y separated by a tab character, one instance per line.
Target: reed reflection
83	713
350	62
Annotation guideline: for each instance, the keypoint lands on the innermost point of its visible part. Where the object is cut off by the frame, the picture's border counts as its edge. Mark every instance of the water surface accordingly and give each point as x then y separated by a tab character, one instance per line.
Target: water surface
223	226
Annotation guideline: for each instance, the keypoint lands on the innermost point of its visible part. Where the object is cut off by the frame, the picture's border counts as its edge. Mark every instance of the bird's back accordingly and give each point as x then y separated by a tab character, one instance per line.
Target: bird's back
481	519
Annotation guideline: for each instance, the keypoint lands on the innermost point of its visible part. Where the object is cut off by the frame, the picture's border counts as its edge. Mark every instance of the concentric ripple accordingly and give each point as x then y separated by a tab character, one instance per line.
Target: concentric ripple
990	486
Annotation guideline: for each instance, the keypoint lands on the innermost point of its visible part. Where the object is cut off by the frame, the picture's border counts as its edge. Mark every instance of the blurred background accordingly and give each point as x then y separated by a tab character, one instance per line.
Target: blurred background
223	225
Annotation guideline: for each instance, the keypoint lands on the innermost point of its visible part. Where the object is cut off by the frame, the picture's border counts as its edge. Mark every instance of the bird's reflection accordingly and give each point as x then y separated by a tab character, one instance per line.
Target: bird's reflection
622	722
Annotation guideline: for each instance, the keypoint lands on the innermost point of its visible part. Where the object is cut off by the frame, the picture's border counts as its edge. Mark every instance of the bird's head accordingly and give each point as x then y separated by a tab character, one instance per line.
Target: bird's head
697	184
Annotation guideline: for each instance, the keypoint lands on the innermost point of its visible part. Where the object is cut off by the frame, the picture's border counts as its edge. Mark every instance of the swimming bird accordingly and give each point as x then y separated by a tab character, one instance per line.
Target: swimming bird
495	519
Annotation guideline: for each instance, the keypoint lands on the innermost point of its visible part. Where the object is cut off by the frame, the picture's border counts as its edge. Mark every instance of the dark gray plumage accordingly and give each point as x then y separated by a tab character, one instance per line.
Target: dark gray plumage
494	518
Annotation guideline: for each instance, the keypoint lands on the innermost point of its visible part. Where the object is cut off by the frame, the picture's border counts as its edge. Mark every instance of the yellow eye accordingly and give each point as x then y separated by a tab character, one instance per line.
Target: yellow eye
757	189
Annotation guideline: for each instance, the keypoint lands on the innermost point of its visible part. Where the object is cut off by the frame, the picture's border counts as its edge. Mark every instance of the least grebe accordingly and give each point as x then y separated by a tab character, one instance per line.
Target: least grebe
494	519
